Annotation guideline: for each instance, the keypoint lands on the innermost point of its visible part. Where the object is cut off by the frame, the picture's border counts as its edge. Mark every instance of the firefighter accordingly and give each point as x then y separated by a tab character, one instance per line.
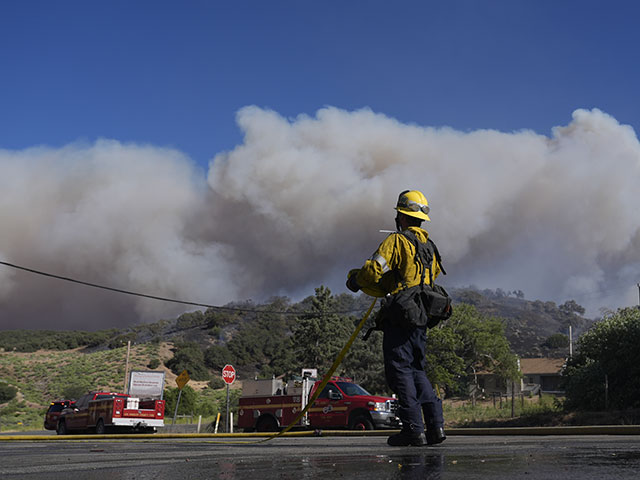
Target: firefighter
392	268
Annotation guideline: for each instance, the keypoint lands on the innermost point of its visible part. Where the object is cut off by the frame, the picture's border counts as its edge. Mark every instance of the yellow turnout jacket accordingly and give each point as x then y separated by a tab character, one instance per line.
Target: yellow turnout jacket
392	263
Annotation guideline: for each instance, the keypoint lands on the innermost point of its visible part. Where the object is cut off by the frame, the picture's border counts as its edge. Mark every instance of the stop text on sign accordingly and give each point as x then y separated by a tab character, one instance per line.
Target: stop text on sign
229	374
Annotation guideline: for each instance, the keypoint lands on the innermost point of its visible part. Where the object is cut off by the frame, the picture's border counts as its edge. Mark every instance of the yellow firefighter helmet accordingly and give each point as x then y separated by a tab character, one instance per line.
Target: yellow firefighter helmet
414	204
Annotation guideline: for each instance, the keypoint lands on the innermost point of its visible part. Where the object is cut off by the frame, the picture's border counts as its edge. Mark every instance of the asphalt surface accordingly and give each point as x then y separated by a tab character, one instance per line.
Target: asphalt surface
563	457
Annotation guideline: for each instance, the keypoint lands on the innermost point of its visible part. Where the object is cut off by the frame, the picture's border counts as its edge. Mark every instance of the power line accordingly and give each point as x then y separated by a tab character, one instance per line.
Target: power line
165	299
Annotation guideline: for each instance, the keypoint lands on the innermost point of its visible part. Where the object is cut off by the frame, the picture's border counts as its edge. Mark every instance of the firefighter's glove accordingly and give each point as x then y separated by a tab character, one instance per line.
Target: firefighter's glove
352	284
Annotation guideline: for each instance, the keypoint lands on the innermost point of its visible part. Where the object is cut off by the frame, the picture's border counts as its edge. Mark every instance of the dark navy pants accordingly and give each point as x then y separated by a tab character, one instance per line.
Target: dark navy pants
404	351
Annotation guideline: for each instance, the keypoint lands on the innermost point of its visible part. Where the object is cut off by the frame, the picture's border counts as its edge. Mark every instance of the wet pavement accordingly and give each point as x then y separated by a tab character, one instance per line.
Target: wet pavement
460	457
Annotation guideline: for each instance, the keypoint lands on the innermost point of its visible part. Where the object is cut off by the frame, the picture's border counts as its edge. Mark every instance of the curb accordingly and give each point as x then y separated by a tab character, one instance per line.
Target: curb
566	430
502	431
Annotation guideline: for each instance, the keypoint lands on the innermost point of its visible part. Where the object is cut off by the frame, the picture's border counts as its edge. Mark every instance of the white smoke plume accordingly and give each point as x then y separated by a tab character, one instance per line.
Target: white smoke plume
301	201
109	214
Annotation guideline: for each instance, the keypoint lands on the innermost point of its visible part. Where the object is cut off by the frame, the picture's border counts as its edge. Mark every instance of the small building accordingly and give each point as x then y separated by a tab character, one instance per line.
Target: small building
545	373
539	375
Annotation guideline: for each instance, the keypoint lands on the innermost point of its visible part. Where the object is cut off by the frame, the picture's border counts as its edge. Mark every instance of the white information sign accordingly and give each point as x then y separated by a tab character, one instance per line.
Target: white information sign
146	384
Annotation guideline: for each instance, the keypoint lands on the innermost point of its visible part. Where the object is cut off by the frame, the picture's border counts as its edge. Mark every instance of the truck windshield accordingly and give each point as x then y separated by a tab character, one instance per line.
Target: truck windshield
352	389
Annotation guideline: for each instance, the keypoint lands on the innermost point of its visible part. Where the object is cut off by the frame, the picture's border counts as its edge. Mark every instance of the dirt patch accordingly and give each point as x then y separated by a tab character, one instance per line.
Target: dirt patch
164	351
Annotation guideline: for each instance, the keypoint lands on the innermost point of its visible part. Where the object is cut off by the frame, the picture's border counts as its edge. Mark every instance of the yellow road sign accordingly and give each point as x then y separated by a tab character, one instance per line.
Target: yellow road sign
182	379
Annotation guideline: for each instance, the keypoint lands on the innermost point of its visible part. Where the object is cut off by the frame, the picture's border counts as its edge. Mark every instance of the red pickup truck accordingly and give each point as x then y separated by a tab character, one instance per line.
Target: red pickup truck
102	411
341	404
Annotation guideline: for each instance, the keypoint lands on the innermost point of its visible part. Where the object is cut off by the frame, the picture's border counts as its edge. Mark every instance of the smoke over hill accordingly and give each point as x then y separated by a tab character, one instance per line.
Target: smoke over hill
301	201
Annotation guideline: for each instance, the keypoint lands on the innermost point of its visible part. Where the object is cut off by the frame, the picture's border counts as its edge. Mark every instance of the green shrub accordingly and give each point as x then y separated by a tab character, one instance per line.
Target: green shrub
188	356
605	372
7	392
216	382
154	363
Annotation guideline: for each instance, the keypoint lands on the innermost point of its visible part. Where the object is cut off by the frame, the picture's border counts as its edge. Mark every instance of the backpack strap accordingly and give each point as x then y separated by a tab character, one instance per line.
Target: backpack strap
438	256
425	251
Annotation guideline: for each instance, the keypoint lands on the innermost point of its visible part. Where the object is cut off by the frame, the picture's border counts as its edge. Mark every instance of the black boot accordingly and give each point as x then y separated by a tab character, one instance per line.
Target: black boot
435	435
406	438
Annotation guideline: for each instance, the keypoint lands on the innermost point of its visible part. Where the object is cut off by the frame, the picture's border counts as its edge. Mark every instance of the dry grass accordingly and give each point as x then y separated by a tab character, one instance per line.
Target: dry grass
535	412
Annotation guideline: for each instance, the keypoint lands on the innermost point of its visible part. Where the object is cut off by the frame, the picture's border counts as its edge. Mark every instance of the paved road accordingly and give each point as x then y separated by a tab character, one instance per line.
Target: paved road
460	457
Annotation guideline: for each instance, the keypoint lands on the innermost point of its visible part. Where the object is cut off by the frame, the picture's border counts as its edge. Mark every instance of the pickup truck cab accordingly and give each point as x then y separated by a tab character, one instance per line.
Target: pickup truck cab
345	404
100	411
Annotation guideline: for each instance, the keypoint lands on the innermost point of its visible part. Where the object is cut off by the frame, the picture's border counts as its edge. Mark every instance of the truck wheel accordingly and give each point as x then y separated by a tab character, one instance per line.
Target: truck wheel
361	423
61	429
267	424
100	428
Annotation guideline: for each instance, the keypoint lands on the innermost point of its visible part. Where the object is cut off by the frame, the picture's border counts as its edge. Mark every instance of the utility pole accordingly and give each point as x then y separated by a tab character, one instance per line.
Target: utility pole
126	368
638	294
570	342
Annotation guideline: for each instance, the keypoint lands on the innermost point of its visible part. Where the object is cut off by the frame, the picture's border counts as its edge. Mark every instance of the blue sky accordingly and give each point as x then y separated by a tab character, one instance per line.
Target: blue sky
317	114
175	73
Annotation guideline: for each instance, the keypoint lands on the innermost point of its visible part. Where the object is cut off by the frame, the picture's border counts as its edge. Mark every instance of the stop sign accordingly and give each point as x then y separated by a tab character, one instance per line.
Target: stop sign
229	374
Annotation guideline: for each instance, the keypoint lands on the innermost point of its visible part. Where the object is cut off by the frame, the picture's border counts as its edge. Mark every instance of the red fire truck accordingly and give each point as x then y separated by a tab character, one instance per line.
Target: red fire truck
102	411
269	405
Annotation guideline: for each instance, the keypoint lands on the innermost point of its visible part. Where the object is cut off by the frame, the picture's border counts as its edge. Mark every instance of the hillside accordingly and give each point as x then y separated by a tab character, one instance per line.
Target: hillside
48	365
528	324
46	375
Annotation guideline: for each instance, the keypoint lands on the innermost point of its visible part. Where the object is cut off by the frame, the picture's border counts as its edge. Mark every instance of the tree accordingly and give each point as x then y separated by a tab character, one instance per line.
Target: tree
187	401
217	356
444	367
188	356
217	318
467	343
263	341
275	331
571	307
190	320
319	335
570	311
364	362
557	340
606	355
